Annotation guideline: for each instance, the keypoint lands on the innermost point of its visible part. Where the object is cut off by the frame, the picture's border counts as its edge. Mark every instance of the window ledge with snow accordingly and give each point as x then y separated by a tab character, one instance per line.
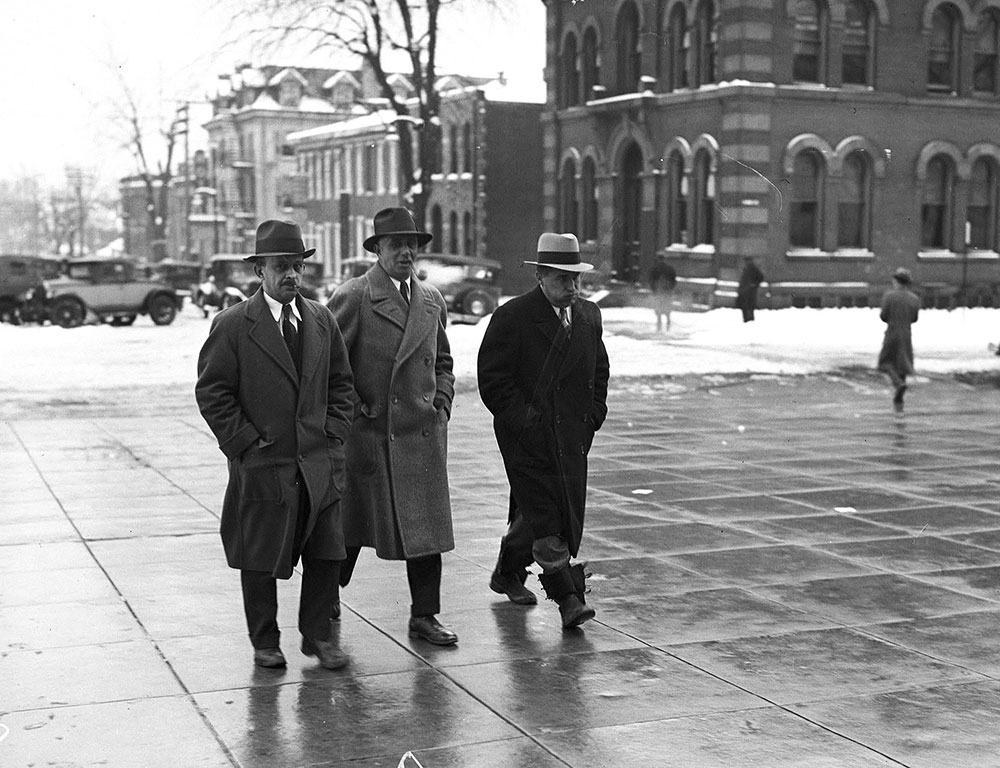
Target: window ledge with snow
937	255
701	252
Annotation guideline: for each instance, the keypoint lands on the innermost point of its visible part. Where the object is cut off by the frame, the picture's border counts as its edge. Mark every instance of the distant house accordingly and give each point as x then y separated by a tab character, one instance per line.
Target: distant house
830	140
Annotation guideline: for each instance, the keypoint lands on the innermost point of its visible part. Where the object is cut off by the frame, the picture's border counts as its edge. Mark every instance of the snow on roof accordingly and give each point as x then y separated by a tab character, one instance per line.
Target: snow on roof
253	78
285	73
366	123
264	101
339	77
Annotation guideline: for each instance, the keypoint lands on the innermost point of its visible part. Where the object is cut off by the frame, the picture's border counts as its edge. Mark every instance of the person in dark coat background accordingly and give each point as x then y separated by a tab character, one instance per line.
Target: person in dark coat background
900	307
662	281
274	385
397	498
746	291
543	374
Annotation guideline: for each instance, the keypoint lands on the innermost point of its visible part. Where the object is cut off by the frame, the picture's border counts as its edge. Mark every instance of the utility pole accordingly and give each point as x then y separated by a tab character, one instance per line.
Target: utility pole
181	121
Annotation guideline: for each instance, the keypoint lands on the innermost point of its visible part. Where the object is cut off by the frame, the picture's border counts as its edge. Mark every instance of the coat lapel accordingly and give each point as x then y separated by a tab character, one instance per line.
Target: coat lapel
265	333
579	333
421	321
543	316
312	338
386	300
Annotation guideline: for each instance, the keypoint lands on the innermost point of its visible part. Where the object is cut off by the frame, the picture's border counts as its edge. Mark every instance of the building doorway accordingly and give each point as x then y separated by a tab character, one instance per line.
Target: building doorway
626	263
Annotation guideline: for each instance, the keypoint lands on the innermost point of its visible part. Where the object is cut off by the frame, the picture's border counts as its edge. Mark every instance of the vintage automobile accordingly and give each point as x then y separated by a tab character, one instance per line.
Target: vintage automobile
20	279
228	280
470	285
115	290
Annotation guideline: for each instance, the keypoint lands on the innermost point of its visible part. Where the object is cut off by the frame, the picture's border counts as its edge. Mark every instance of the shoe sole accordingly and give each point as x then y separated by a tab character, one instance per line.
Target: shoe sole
433	642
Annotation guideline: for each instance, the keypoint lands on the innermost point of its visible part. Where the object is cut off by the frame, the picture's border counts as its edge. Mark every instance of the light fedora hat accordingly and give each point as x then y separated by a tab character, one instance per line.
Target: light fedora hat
395	221
279	238
560	251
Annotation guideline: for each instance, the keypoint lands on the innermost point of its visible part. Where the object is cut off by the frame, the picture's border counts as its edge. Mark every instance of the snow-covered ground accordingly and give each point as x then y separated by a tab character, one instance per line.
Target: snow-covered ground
46	359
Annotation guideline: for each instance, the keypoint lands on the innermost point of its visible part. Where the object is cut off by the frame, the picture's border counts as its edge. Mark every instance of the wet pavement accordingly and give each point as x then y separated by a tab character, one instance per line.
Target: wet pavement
784	575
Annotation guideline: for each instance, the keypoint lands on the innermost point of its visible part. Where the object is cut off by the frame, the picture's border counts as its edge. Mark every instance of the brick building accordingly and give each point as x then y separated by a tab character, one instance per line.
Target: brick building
486	201
830	140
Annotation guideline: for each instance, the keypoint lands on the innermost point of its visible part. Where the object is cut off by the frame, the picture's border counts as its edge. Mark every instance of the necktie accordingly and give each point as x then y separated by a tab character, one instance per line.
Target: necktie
404	288
564	317
291	335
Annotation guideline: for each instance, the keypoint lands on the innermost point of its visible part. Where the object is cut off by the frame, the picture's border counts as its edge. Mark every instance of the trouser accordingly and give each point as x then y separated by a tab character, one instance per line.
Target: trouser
423	575
519	548
316	599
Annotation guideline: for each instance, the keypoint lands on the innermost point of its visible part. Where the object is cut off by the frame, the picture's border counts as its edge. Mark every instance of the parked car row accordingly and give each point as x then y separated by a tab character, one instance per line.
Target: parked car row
116	290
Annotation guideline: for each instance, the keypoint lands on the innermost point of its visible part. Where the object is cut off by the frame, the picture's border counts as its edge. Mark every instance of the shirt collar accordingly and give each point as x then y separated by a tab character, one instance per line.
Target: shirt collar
275	306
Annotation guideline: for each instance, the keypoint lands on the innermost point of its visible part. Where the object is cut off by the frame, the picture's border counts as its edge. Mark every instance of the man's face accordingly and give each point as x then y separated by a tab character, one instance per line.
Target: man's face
559	286
281	276
396	254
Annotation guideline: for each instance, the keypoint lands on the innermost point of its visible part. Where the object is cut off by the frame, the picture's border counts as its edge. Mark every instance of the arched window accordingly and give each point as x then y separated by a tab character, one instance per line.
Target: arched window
984	74
569	94
673	71
453	232
437	225
676	200
704	198
467	146
858	45
943	50
453	141
853	211
569	211
982	208
805	210
588	184
706	42
370	167
809	43
627	46
591	63
467	232
936	208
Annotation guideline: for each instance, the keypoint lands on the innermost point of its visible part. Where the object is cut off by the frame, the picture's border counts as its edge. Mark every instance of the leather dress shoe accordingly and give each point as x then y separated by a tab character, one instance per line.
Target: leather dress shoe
431	630
328	654
513	587
268	657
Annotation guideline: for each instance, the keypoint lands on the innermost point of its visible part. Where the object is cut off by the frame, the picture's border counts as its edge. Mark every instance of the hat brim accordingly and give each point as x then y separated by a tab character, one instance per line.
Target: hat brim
422	238
304	254
581	267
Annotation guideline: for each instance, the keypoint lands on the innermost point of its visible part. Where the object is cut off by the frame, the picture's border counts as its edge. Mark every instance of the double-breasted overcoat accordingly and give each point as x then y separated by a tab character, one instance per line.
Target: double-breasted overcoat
275	426
397	497
547	404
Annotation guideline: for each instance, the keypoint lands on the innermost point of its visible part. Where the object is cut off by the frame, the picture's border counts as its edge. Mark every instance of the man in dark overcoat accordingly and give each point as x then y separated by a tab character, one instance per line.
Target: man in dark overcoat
746	290
543	374
900	307
662	282
397	498
275	385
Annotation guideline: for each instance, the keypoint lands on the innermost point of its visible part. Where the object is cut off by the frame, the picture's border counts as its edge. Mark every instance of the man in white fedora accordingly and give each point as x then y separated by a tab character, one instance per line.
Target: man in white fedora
543	374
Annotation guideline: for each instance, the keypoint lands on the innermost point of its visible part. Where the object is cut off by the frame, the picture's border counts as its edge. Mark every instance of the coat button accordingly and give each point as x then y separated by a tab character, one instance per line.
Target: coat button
392	436
395	399
582	449
427	361
426	398
426	432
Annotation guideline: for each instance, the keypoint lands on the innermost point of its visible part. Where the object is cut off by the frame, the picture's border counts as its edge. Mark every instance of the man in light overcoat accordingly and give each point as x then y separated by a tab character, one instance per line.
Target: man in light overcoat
397	498
543	374
274	385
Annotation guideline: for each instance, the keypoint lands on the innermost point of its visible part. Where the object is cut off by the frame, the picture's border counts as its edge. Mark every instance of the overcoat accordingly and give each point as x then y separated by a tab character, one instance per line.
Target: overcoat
900	308
397	498
545	414
274	427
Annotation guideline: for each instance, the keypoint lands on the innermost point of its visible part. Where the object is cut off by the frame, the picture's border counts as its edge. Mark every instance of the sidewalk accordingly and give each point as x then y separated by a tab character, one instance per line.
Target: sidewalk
783	576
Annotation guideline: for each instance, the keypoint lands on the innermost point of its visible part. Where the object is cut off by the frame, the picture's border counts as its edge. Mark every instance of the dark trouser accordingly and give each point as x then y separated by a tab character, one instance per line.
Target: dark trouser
519	548
260	602
422	573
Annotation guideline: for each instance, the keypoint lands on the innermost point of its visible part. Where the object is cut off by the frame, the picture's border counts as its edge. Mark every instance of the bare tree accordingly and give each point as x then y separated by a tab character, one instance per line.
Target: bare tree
155	175
383	34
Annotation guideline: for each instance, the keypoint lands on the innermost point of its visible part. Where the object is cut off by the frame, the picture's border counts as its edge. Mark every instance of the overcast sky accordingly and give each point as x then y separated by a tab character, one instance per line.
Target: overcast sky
62	62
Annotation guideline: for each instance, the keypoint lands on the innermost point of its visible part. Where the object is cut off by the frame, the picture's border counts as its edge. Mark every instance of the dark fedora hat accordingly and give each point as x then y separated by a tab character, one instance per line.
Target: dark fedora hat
560	251
903	275
395	221
279	238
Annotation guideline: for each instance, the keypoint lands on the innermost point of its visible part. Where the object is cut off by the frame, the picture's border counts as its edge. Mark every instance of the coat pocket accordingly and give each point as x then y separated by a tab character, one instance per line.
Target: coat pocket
258	477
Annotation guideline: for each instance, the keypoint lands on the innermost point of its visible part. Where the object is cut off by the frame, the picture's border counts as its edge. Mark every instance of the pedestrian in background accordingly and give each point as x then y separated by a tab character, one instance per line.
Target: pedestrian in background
397	498
543	374
274	385
746	291
900	307
662	282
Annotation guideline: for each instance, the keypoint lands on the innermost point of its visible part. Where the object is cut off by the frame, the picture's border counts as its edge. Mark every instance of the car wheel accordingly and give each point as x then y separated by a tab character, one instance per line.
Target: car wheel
478	303
163	310
68	313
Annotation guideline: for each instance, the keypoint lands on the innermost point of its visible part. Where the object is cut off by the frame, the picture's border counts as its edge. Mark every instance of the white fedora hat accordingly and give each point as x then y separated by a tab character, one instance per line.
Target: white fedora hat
560	251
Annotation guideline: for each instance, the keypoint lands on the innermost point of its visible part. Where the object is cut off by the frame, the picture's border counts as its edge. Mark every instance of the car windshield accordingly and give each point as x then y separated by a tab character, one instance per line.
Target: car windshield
438	273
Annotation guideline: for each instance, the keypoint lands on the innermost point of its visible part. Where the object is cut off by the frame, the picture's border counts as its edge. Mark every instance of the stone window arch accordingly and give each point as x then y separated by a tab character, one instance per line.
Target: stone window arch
808	179
569	75
590	62
627	48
